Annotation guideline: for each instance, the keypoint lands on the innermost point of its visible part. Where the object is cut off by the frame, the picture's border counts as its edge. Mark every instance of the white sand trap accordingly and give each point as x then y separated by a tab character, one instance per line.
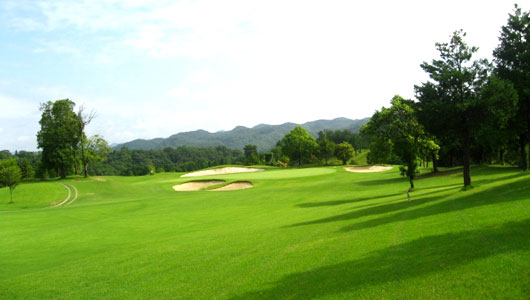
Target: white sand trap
195	185
367	169
239	185
221	171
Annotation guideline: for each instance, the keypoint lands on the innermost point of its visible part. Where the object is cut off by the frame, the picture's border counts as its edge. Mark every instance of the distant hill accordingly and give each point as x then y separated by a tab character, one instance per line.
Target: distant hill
263	135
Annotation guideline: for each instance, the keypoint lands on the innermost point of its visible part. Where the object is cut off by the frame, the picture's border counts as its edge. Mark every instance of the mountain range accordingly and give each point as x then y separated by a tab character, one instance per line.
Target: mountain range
264	136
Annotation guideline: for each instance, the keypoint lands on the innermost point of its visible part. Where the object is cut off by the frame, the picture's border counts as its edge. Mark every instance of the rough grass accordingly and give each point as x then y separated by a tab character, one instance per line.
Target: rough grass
320	233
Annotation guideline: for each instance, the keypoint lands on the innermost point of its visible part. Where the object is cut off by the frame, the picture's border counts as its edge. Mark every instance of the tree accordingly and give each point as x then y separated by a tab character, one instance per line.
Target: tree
10	175
251	154
26	169
59	135
298	145
512	58
399	126
326	148
344	152
96	150
455	100
83	119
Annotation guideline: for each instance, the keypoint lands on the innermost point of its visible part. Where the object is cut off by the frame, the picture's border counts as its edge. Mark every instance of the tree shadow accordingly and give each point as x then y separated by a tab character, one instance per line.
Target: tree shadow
340	202
476	171
376	210
514	191
416	258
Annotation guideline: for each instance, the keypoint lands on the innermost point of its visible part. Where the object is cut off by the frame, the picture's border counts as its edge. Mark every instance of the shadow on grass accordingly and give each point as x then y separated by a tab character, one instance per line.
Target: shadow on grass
416	258
475	171
340	202
379	209
514	191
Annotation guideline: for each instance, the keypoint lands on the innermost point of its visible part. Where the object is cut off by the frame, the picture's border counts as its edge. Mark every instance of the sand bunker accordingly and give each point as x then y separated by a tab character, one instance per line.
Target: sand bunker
195	185
239	185
221	171
367	169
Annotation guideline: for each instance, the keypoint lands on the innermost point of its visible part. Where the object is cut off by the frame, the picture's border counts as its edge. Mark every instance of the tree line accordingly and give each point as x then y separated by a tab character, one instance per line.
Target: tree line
470	111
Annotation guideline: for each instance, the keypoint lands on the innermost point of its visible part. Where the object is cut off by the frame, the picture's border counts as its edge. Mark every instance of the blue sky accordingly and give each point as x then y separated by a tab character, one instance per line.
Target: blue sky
154	68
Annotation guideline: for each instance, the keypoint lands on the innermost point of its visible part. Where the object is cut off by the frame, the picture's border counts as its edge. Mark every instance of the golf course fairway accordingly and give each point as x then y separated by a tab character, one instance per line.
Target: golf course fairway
309	233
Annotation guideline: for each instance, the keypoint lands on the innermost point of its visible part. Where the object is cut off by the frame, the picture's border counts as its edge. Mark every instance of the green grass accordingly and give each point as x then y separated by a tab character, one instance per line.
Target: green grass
313	233
360	158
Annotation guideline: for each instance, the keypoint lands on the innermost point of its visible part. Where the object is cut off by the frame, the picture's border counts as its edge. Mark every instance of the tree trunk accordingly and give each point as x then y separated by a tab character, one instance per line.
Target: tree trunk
63	172
411	180
466	151
434	163
522	145
86	170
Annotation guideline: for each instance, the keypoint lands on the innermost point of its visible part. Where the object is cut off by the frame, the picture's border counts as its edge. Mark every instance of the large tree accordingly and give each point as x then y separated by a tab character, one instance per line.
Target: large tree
59	136
10	175
455	100
398	126
512	58
298	145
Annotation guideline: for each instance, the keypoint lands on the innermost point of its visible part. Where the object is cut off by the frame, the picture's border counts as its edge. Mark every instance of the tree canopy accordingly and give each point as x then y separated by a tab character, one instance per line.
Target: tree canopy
59	135
458	99
298	145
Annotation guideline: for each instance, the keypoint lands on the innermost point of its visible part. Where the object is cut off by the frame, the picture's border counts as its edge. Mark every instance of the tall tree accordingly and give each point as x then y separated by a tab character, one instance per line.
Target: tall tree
83	119
298	145
344	151
251	154
326	148
455	99
512	58
59	135
10	175
399	126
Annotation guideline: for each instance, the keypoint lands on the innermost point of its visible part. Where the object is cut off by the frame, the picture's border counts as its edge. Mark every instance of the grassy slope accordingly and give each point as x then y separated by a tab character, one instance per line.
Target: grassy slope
300	234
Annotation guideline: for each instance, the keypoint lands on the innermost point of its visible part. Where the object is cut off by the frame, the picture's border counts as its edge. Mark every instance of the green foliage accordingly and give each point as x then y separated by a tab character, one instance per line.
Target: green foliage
512	58
26	169
455	104
326	148
58	137
299	145
397	129
344	151
10	175
182	159
358	141
251	154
